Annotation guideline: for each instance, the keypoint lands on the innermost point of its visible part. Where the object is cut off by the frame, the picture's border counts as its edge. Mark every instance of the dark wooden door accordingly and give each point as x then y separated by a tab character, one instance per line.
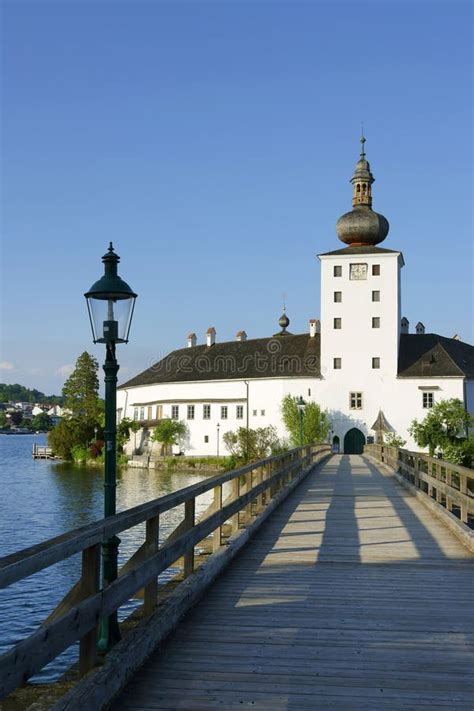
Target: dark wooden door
354	442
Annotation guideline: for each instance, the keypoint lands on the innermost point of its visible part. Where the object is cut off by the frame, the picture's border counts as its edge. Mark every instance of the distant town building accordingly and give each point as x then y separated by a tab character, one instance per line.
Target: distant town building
359	361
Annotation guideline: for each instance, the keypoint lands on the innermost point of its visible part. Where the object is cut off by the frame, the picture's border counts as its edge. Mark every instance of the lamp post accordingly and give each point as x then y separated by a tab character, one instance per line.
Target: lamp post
218	430
110	302
300	404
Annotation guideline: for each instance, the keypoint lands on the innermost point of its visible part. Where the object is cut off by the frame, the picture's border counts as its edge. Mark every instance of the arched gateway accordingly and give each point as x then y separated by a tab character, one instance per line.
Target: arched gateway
354	441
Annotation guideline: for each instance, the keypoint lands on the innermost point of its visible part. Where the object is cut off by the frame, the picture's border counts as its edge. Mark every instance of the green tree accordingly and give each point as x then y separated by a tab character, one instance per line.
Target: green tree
42	422
134	427
393	440
315	421
83	408
123	432
252	445
169	432
445	427
3	419
81	390
16	418
62	439
18	393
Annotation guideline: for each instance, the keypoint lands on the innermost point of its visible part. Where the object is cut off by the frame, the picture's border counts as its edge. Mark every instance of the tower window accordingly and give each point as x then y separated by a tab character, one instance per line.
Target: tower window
364	187
337	271
375	322
338	323
338	297
376	296
375	363
375	269
337	363
355	401
428	400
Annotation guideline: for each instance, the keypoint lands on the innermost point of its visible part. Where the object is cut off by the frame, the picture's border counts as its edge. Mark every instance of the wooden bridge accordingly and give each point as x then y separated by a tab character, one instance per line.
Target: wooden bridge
355	592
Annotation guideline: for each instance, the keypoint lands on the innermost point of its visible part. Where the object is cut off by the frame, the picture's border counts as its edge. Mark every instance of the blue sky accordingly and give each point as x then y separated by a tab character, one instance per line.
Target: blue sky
213	143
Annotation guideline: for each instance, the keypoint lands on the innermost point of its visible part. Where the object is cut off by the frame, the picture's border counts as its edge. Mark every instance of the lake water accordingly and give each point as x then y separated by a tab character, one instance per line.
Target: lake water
40	499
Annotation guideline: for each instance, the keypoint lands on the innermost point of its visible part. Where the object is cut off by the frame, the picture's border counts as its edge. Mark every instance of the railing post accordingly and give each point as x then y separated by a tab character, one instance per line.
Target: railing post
217	534
248	486
234	521
463	490
259	499
151	539
189	513
90	584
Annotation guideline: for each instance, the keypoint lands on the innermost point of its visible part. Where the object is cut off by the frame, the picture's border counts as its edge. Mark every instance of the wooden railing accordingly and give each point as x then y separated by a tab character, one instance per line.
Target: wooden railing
42	452
450	485
240	498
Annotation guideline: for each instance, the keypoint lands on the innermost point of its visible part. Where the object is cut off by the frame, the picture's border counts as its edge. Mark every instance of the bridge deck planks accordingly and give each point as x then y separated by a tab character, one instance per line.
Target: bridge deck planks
352	596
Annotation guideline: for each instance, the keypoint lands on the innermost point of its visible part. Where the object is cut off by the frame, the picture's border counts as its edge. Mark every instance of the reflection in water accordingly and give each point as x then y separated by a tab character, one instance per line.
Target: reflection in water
41	499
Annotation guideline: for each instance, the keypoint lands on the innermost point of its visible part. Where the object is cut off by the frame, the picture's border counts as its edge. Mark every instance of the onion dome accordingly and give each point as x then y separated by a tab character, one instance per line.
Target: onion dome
283	322
362	226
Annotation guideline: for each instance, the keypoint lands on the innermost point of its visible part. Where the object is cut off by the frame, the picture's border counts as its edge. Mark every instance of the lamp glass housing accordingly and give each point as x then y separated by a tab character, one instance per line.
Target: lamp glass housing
110	317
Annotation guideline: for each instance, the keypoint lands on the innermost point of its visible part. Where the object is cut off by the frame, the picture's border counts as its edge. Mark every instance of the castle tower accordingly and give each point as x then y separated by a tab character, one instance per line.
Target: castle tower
360	295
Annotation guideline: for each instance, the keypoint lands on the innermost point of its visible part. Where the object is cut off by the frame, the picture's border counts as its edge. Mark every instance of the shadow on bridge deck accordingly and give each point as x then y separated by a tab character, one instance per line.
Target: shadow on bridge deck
352	596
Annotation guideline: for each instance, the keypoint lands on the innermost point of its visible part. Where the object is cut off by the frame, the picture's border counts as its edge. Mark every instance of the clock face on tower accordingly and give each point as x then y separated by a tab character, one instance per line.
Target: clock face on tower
358	271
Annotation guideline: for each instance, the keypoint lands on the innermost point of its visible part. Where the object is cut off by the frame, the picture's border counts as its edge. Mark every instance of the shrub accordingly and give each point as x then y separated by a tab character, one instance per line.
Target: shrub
95	450
80	453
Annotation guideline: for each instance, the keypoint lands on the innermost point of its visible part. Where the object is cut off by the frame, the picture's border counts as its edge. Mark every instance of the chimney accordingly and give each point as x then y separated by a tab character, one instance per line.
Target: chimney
210	336
404	325
192	340
241	336
456	337
420	329
314	327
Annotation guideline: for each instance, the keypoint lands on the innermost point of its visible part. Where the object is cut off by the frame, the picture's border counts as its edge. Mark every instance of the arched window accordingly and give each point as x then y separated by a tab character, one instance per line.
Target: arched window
358	187
364	187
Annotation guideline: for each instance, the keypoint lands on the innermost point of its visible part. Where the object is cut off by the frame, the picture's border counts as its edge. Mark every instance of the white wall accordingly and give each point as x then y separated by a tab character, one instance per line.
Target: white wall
357	341
400	399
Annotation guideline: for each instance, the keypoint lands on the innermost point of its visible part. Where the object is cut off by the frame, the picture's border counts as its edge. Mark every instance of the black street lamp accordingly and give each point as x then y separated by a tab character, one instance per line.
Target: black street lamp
110	302
218	430
300	404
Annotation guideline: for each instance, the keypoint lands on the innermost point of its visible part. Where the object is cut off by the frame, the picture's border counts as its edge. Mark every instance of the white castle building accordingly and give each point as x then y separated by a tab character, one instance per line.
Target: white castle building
359	362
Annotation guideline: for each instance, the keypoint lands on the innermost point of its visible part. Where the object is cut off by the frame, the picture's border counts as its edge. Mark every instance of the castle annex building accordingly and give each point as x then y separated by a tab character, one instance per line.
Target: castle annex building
360	362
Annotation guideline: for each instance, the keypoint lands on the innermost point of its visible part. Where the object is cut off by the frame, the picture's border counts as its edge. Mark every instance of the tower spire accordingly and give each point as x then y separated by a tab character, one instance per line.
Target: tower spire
362	179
